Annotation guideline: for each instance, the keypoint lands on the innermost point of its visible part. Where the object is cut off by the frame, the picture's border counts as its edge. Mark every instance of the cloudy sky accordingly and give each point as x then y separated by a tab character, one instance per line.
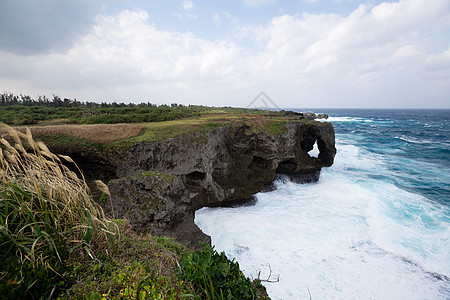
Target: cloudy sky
301	53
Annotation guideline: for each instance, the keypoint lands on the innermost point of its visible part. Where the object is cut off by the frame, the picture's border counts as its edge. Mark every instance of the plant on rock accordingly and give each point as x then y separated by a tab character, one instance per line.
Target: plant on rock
214	276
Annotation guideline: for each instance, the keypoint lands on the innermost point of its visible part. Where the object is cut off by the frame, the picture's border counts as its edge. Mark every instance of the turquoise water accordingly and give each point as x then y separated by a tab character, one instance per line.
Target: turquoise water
414	145
375	226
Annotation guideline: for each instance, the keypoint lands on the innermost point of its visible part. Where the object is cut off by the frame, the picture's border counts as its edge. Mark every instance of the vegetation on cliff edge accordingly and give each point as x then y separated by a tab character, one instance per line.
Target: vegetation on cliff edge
63	123
24	110
55	241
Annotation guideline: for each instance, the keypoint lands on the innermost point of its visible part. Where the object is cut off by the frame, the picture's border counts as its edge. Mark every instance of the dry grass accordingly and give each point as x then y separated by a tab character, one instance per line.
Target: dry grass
46	211
103	133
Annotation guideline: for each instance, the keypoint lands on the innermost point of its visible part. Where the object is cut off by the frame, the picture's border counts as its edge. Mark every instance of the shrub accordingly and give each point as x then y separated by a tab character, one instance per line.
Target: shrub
214	276
143	267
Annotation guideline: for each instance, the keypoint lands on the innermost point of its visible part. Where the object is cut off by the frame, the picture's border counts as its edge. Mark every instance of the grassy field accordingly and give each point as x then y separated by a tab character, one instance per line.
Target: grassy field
51	113
124	135
117	127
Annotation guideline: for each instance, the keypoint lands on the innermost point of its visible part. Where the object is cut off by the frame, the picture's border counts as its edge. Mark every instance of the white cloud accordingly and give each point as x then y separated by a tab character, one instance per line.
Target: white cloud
440	61
255	3
407	51
125	51
188	10
383	55
187	5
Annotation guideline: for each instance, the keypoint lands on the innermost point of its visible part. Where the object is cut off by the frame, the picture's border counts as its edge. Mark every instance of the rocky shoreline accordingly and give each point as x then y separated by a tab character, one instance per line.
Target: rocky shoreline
161	184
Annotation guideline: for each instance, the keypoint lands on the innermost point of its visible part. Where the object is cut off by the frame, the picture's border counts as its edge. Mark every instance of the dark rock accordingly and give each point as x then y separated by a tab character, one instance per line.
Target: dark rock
224	166
290	114
310	115
162	183
313	116
156	202
322	116
301	177
229	164
269	188
299	115
236	203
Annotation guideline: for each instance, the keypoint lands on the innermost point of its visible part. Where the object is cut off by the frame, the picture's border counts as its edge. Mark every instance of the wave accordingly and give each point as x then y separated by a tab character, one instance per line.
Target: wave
337	239
414	140
345	119
349	236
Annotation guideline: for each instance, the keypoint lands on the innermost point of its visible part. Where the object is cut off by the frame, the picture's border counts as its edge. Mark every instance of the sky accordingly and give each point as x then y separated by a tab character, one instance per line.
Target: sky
300	53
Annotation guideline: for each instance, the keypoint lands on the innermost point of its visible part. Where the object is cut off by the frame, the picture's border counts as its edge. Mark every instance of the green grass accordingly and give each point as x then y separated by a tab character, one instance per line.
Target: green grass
160	122
169	129
156	131
276	127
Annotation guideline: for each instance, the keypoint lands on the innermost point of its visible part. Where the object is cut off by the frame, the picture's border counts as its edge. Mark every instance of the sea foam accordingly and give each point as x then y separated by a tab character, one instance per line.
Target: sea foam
352	235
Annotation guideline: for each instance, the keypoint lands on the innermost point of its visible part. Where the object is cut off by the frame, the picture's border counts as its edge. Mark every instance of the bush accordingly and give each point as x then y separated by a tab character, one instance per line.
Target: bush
143	267
214	276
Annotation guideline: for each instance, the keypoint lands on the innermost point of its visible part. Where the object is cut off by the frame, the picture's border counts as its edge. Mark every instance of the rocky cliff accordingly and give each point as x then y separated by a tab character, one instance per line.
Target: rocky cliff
162	183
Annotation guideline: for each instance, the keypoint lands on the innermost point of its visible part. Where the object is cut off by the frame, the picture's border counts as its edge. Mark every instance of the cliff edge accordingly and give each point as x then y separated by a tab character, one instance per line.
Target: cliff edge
160	173
161	183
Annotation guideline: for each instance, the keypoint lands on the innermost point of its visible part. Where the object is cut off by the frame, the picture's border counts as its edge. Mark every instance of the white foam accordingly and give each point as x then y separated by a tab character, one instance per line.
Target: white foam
315	151
414	140
346	237
345	119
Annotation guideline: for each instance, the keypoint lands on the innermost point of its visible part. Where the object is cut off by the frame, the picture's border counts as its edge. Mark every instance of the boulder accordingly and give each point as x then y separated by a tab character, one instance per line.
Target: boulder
158	203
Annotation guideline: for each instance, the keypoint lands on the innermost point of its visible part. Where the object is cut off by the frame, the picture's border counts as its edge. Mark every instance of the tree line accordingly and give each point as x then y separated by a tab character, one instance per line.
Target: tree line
24	110
9	99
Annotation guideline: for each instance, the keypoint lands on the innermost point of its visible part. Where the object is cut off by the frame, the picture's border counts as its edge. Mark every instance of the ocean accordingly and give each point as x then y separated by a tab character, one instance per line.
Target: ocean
375	225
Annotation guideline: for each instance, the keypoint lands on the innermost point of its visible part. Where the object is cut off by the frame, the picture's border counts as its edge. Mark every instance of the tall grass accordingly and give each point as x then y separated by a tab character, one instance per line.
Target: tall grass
46	216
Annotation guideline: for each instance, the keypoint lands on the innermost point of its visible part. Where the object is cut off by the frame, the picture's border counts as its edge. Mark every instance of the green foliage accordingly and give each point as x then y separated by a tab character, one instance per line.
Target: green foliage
22	279
23	110
134	281
104	197
143	267
24	115
214	276
29	115
276	127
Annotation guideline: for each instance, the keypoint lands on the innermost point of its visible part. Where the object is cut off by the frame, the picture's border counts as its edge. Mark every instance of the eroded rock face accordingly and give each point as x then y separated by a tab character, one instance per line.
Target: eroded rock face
232	163
156	202
162	183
